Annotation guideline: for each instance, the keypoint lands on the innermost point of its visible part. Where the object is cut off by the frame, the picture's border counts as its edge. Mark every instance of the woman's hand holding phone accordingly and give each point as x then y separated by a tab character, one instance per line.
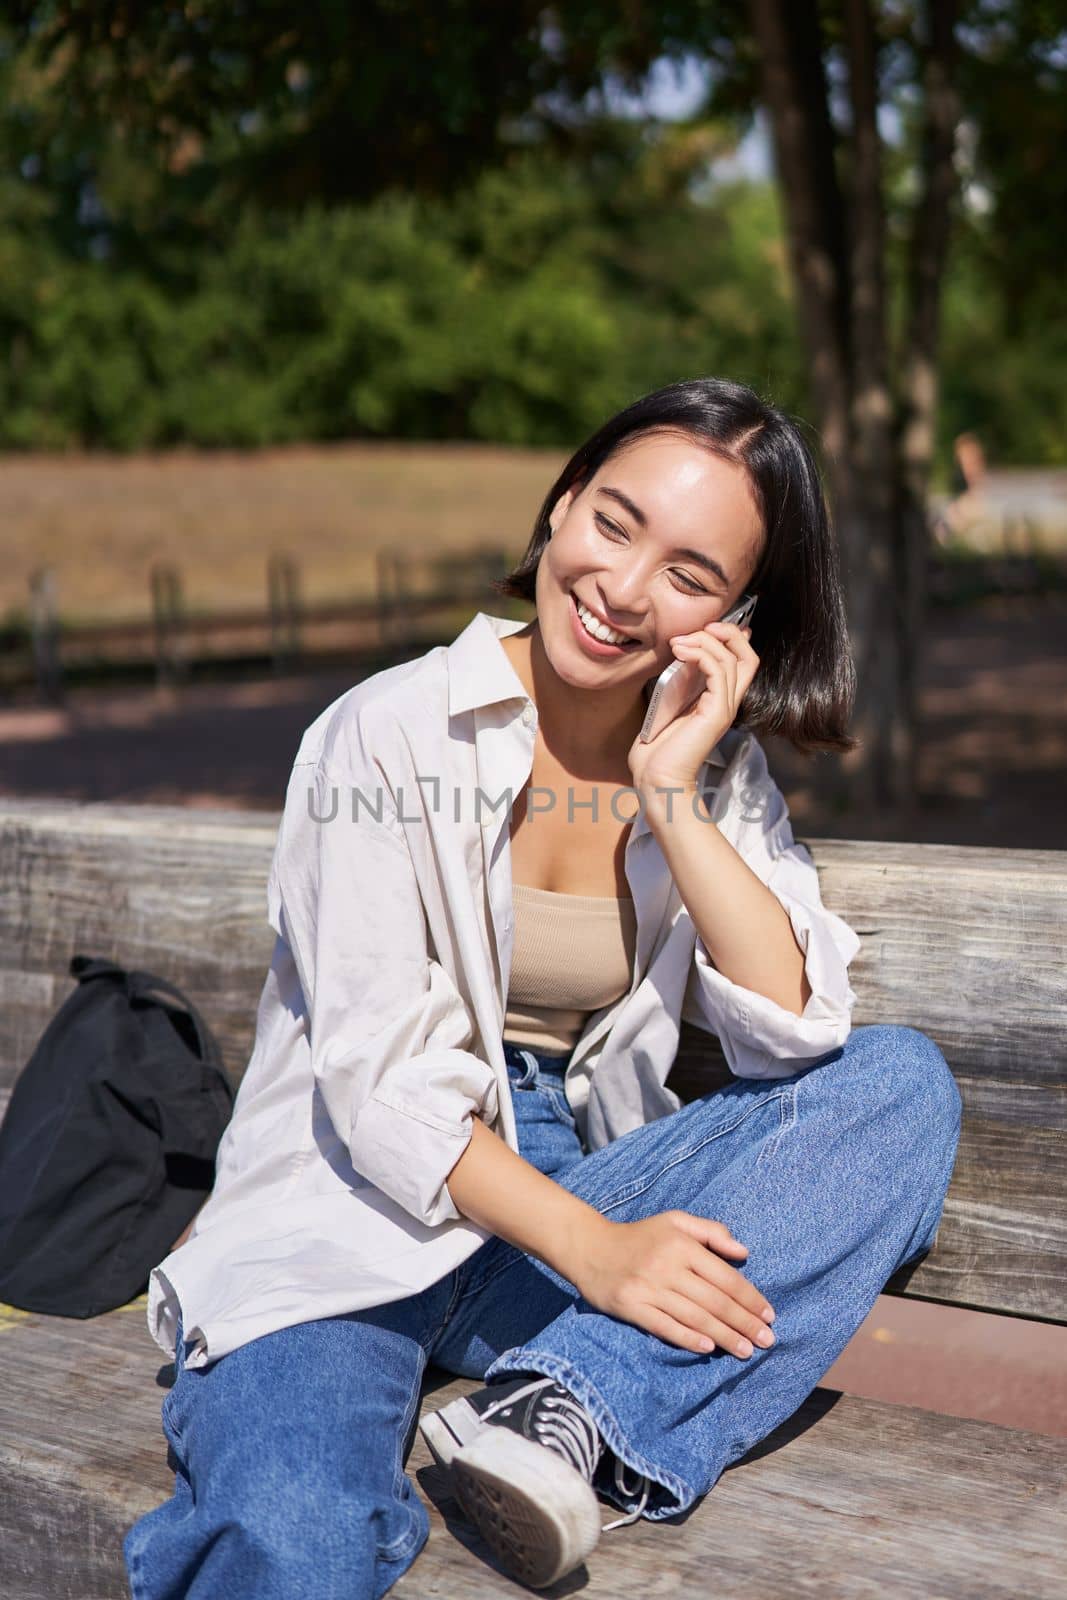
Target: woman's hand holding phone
694	702
666	1274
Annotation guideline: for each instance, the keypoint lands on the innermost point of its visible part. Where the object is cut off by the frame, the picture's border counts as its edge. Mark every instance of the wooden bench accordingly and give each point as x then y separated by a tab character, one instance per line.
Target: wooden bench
848	1498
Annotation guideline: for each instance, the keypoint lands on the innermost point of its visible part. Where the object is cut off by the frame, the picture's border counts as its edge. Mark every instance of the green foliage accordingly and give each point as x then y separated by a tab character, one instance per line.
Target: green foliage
1003	366
521	310
240	226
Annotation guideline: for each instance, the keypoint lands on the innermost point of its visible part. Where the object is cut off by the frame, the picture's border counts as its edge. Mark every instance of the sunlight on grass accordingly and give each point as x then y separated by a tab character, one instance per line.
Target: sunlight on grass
101	521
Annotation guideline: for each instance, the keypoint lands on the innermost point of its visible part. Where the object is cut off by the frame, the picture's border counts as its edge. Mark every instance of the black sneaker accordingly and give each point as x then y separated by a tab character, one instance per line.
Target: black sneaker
522	1455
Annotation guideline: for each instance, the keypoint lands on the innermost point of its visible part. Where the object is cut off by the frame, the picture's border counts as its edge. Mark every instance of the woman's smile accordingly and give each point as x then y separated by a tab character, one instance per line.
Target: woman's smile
602	648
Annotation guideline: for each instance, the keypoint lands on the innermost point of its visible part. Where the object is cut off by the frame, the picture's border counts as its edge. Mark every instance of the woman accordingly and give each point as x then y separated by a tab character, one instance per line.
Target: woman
494	903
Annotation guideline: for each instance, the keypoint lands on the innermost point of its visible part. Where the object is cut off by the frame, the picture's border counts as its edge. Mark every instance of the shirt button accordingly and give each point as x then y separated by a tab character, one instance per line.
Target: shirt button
529	716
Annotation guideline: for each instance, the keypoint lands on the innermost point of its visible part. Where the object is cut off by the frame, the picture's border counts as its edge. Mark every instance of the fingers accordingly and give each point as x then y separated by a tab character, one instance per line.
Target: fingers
720	1276
665	1274
671	1331
735	638
728	633
726	644
737	1322
719	665
701	1330
710	1232
726	1280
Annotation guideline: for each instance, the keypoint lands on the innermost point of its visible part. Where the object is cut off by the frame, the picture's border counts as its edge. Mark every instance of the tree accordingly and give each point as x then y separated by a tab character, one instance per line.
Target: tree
212	105
878	434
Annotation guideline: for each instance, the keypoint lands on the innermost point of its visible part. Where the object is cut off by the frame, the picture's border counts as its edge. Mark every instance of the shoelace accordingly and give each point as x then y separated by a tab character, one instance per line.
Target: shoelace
564	1425
561	1423
645	1486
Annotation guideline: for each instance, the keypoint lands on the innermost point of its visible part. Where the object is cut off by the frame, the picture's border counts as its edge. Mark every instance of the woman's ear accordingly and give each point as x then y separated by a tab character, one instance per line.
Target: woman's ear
560	509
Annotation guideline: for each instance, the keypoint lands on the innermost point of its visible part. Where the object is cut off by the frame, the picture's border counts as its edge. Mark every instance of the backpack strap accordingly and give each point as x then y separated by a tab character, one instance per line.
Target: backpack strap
85	968
144	984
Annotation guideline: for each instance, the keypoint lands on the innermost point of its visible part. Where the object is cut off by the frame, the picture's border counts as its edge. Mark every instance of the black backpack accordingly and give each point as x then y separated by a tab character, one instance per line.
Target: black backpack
108	1147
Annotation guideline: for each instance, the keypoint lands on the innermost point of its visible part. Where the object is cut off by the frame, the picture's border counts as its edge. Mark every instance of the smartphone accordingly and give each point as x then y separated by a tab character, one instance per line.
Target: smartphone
679	684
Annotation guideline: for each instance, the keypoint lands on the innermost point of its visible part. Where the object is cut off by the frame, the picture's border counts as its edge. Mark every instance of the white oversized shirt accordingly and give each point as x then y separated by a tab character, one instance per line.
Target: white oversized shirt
379	1029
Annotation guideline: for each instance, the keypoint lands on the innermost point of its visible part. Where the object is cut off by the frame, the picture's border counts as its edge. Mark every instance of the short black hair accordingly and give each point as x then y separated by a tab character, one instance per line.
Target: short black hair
805	687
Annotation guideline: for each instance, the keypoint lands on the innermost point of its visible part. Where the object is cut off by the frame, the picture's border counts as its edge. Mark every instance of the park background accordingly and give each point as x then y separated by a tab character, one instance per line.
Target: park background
345	287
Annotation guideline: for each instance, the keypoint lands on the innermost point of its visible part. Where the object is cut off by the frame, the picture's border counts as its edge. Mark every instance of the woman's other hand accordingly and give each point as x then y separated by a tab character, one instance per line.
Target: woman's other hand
666	1274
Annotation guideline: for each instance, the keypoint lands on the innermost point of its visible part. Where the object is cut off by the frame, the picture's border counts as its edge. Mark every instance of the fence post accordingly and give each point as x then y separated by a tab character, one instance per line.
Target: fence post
283	598
403	629
44	630
498	563
167	610
393	624
382	570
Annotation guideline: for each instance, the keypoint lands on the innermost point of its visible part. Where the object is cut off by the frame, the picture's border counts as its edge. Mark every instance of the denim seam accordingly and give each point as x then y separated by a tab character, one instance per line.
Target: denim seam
787	1103
587	1395
638	1186
450	1310
556	1099
170	1427
561	1108
944	1182
399	1547
133	1571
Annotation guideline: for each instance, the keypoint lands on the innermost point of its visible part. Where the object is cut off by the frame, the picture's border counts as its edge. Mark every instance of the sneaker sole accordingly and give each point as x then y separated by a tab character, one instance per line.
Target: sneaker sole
449	1429
537	1514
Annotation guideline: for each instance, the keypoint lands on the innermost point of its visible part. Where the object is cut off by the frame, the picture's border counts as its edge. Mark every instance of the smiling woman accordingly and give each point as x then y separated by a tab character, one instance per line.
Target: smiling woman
459	1077
705	491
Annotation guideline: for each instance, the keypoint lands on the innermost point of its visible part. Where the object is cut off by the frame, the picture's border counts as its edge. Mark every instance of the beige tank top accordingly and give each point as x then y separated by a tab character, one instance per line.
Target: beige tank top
572	954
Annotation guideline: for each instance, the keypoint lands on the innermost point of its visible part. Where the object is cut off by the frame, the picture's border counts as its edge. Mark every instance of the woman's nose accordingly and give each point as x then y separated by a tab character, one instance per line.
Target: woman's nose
626	594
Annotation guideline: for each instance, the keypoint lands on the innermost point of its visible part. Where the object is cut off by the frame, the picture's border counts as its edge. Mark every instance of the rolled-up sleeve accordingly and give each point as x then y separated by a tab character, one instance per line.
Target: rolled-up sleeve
759	1037
389	1032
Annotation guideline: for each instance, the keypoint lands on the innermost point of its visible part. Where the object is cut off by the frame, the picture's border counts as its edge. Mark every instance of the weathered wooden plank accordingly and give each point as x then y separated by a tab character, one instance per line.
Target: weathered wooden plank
850	1498
180	893
944	930
966	944
1002	1245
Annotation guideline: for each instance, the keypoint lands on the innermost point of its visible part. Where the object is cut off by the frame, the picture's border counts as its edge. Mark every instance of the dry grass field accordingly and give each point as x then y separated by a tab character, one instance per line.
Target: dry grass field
100	522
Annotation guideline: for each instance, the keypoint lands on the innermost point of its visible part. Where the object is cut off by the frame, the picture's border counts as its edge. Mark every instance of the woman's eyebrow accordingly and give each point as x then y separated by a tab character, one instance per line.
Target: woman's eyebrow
642	521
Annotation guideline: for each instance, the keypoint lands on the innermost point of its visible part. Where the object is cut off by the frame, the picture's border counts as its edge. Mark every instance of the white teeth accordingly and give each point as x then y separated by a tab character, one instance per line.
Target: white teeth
598	629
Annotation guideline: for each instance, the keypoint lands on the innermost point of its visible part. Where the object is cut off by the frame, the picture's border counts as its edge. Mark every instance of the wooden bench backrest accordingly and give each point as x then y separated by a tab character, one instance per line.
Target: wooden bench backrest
966	944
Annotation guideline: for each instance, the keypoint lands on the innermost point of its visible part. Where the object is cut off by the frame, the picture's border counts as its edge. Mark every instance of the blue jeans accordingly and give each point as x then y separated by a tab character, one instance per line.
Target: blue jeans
290	1451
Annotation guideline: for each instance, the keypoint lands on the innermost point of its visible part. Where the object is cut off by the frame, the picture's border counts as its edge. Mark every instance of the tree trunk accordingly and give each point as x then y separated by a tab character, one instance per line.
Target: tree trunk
919	387
871	416
836	264
878	453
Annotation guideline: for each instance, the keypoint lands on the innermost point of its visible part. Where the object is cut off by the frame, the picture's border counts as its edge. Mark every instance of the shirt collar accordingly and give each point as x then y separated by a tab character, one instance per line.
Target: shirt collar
479	671
481	674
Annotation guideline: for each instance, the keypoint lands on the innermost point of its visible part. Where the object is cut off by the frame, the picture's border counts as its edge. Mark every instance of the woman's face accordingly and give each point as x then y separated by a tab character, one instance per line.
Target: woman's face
662	540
